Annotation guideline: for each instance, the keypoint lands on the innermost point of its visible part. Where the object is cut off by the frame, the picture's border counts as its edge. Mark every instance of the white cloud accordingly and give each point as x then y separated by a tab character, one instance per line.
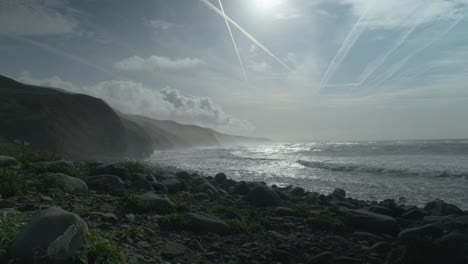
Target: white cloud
166	104
158	24
152	63
397	13
30	18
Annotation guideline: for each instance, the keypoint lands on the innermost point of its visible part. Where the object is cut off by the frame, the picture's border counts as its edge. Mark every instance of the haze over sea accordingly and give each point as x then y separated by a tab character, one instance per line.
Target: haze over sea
419	171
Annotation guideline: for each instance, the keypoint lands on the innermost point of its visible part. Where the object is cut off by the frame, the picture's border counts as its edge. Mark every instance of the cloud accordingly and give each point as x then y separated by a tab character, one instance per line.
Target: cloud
166	104
397	14
158	24
33	18
260	67
153	63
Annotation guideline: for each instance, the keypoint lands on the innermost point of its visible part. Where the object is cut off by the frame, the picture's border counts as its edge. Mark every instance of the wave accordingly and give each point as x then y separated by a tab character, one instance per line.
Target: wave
343	167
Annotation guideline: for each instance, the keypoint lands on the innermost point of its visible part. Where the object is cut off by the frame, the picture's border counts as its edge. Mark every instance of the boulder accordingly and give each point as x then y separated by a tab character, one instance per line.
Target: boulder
159	187
453	248
427	232
208	188
339	193
109	183
63	182
173	185
242	188
63	166
156	203
414	214
441	208
381	210
262	196
220	178
141	186
173	249
6	161
110	169
55	231
205	223
372	222
183	175
298	191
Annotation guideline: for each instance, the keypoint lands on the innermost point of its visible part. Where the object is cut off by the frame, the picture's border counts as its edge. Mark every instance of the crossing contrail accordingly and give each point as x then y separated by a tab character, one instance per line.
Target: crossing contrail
375	65
233	40
247	34
347	45
390	73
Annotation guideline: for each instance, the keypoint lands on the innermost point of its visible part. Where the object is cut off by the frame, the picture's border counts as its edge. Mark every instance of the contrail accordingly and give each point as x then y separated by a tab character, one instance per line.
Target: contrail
375	65
347	45
404	61
233	41
247	34
66	55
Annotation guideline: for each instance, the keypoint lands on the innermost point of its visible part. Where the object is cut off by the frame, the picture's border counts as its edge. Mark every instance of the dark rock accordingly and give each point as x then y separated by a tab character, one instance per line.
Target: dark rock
298	191
173	185
141	186
156	203
55	231
346	260
159	187
110	169
205	223
173	250
420	233
441	208
322	258
262	195
6	161
283	256
367	236
63	182
220	178
372	222
381	210
242	188
202	196
109	183
61	166
339	193
284	211
414	214
454	248
208	188
183	175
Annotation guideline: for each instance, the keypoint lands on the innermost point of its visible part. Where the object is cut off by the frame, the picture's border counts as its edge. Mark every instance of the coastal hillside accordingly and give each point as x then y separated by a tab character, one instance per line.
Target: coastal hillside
82	126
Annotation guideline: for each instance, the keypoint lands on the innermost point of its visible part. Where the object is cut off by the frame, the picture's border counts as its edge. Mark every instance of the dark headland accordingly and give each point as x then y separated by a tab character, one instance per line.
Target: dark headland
61	204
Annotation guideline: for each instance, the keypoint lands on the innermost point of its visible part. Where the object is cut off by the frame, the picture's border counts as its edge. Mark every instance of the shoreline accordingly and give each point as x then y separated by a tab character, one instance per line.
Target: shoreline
159	214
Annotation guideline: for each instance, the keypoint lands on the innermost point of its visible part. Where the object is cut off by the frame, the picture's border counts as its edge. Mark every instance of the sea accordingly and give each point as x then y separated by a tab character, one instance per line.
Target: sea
415	172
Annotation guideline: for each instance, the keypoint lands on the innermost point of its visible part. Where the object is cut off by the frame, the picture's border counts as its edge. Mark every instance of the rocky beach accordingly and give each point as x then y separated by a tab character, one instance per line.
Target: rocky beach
60	211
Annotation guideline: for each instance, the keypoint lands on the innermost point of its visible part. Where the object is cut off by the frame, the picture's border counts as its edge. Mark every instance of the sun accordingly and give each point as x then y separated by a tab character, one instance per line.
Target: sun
267	5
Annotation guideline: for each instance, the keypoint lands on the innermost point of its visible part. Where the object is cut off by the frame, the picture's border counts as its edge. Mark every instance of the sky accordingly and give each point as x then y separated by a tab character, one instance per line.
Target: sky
290	70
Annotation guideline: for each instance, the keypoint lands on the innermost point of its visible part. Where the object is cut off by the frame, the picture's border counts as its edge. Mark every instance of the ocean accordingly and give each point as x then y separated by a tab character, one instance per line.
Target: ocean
418	171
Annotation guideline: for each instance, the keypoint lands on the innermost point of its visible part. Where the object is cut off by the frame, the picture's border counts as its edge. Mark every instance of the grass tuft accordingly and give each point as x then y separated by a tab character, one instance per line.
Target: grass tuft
132	203
10	225
11	182
136	167
100	249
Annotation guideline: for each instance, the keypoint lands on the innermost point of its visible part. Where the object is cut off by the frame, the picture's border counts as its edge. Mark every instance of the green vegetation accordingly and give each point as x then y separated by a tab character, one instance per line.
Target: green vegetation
136	167
100	249
10	225
23	154
132	203
11	182
180	205
176	221
247	225
132	232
